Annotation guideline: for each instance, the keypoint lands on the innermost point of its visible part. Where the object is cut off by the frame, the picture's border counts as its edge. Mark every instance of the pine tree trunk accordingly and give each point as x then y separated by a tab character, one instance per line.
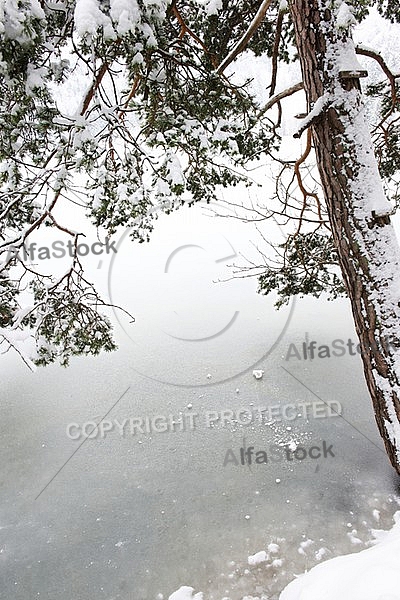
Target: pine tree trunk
363	235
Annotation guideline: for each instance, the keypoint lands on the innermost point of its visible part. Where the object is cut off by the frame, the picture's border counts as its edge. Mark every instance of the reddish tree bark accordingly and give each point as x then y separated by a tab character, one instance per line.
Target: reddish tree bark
360	237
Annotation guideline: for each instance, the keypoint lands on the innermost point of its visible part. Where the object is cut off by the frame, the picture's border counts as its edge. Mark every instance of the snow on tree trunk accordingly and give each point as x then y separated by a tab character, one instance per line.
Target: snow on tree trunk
363	235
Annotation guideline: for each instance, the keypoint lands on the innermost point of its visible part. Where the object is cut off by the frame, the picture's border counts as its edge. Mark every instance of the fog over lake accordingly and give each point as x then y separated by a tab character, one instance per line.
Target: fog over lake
218	439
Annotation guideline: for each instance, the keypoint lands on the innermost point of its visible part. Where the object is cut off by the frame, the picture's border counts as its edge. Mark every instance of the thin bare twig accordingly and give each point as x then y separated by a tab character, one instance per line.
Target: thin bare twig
280	96
275	52
381	61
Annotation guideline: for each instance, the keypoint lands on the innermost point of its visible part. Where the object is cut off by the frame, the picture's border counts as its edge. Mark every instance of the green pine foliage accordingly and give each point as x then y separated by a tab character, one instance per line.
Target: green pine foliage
157	127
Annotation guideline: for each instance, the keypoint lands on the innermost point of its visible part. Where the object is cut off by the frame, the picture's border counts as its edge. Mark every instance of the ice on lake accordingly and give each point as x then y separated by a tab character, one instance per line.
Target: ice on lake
200	474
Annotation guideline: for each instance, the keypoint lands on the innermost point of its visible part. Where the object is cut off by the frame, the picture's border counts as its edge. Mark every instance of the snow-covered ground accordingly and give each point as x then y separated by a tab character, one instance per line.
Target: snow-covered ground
373	574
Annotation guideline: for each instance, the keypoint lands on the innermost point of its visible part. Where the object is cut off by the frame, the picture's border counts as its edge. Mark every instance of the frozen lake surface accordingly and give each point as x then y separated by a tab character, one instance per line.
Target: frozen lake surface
199	465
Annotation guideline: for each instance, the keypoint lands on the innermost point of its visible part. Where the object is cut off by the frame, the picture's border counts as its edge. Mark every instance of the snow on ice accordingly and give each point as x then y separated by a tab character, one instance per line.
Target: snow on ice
372	574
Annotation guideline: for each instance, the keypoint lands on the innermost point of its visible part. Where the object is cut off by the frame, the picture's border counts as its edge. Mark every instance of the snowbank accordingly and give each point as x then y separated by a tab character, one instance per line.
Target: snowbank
373	574
186	593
